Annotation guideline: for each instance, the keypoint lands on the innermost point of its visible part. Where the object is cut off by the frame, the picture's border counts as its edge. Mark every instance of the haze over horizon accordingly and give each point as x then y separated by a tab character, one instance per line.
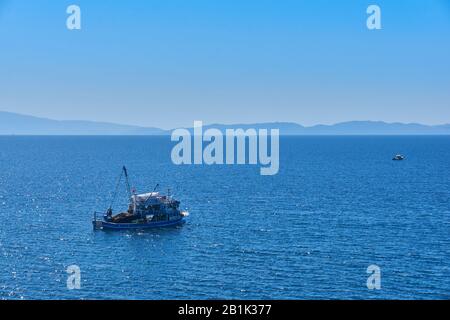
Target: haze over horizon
219	123
19	124
166	64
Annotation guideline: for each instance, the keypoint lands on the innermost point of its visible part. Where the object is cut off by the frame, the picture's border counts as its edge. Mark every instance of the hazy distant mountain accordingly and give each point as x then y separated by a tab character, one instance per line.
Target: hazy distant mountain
17	124
345	128
379	128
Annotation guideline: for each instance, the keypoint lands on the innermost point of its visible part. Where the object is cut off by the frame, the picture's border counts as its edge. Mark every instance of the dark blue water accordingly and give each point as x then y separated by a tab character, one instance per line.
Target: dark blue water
338	205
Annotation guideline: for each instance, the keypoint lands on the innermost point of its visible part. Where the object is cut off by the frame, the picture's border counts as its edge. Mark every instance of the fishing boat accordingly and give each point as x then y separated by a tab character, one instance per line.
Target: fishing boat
398	157
145	211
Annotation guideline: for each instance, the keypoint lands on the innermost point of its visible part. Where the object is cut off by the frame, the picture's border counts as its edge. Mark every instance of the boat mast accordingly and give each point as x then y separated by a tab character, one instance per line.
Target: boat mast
131	193
127	181
109	211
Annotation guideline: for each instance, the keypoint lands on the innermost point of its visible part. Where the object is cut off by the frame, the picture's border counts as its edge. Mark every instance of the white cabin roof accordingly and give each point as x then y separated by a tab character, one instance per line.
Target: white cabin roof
145	196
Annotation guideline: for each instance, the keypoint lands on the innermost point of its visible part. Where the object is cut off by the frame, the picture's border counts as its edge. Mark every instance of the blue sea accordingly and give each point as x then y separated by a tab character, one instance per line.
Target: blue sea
337	206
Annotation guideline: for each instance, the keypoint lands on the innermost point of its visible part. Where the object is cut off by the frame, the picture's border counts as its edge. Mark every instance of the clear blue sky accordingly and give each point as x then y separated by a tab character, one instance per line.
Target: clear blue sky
166	63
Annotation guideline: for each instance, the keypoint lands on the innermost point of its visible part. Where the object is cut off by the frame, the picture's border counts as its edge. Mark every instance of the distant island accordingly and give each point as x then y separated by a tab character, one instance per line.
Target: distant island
18	124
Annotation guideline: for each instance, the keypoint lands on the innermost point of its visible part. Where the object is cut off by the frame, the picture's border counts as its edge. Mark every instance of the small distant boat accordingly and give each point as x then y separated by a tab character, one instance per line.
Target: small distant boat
398	157
145	211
